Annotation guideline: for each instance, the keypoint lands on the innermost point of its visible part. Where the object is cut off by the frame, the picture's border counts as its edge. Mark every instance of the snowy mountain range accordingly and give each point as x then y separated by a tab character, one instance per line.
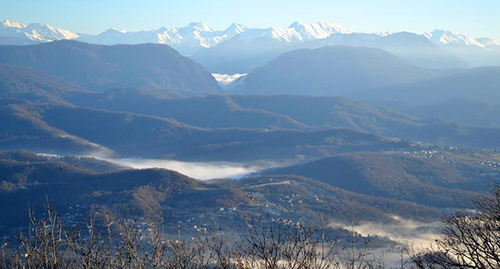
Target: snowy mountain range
296	32
196	36
199	35
448	38
33	32
238	49
186	40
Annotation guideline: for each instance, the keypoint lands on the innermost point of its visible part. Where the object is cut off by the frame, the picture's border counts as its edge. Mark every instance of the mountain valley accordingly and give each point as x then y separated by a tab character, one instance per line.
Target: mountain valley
312	123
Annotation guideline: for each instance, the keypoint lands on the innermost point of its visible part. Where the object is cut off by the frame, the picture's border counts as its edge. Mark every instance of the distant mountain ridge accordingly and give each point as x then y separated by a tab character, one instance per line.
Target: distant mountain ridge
332	70
21	34
449	38
478	84
241	54
197	37
367	74
209	37
99	68
186	40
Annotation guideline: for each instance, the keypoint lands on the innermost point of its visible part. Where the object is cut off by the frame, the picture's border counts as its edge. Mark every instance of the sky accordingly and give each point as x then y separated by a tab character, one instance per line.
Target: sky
474	18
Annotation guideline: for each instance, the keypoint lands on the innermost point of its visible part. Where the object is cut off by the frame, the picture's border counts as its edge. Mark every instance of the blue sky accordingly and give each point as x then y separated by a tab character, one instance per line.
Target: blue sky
474	18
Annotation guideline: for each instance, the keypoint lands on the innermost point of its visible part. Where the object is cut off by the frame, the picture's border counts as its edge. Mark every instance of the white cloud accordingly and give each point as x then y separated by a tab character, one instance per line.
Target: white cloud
225	79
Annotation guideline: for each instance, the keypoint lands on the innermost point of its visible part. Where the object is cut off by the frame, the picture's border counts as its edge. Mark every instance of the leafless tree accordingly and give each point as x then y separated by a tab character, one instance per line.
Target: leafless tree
284	244
468	239
107	243
355	252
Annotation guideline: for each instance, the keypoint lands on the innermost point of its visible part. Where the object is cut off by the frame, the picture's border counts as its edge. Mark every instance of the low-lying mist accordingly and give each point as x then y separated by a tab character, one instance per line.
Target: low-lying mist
198	170
404	231
407	233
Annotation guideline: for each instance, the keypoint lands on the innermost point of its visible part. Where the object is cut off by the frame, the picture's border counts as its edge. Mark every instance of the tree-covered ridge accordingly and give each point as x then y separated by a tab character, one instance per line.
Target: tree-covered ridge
98	68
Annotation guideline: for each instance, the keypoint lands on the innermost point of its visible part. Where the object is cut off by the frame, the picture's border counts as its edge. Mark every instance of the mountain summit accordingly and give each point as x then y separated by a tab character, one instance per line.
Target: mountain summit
318	30
331	71
443	38
33	32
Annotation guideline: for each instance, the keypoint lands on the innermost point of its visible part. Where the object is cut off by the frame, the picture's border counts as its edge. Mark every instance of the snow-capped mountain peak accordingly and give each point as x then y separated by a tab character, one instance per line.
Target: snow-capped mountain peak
318	30
34	32
488	42
295	33
186	40
286	35
115	30
7	23
45	32
236	28
199	26
449	38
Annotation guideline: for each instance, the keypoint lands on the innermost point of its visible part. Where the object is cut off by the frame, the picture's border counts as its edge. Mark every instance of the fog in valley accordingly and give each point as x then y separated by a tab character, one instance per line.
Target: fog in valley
230	147
198	170
403	231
